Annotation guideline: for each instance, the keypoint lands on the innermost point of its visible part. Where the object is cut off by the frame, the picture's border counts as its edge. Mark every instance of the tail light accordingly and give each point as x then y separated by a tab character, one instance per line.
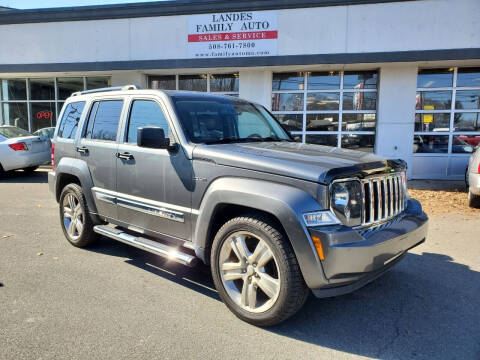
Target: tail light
18	146
478	170
52	156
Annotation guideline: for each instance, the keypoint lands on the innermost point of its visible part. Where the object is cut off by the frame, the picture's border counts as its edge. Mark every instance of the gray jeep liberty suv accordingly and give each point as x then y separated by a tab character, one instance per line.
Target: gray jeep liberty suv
194	176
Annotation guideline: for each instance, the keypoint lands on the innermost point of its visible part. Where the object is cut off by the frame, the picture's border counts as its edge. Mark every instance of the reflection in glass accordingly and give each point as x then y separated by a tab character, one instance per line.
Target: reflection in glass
323	80
472	140
288	81
70	119
224	82
460	145
358	142
42	89
162	82
193	82
291	122
432	122
432	78
43	115
296	137
430	144
434	100
466	121
67	86
360	80
467	99
322	139
15	114
322	122
14	89
468	77
323	101
359	100
98	82
287	102
358	122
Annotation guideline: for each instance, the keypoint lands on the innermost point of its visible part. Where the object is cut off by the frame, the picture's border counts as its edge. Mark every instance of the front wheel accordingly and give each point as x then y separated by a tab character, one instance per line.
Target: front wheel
256	272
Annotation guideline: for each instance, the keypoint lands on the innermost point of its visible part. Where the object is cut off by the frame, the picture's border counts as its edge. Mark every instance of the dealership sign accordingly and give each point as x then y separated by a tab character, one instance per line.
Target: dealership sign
240	34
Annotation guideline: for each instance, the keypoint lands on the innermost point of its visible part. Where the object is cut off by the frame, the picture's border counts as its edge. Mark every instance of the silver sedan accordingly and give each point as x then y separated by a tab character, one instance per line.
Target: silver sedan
21	150
473	179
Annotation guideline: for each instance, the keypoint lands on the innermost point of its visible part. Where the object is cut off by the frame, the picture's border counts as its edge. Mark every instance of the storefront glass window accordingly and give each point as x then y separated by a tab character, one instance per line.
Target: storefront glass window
435	78
98	82
224	83
67	86
193	82
334	108
14	89
15	114
291	122
42	89
35	103
163	82
43	115
444	116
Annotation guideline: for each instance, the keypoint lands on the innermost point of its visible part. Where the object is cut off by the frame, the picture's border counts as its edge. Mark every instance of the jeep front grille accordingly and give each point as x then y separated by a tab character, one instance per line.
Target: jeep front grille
383	198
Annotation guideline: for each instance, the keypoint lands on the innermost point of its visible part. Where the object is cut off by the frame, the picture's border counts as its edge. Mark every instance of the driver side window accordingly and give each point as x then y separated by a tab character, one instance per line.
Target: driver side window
145	113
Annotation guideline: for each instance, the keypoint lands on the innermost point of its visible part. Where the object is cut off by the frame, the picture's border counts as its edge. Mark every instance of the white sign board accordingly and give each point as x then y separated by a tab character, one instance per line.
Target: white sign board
239	34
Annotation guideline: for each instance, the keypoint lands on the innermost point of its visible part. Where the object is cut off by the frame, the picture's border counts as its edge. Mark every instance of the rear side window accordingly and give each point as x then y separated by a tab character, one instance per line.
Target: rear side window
69	122
145	113
103	120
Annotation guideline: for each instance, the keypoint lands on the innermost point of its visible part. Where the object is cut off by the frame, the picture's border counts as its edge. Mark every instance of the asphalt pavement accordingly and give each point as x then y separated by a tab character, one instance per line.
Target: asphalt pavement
112	301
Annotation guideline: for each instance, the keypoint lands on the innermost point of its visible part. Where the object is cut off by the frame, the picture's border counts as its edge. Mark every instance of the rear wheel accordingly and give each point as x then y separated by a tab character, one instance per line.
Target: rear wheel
75	219
473	200
256	272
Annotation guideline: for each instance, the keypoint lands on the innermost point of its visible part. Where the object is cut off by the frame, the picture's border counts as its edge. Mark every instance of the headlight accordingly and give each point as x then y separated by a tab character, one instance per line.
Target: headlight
346	201
319	218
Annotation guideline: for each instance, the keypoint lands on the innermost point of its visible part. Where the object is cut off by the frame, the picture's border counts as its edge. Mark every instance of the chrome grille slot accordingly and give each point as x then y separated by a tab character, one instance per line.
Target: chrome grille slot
383	198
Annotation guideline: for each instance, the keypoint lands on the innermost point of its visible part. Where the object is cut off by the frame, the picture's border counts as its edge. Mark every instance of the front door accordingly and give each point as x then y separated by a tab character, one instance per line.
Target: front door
153	185
98	147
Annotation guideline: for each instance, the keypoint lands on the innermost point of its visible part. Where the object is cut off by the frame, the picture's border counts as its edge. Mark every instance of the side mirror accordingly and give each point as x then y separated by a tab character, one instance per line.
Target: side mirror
152	137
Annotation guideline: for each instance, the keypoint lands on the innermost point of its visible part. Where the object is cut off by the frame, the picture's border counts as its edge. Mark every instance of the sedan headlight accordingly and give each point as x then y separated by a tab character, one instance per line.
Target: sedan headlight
346	201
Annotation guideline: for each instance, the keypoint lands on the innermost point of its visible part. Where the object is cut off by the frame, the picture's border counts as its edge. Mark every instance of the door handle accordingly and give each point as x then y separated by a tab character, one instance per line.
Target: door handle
82	149
125	156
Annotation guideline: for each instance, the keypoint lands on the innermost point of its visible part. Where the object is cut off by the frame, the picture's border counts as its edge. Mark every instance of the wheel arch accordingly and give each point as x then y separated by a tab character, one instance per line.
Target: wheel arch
229	197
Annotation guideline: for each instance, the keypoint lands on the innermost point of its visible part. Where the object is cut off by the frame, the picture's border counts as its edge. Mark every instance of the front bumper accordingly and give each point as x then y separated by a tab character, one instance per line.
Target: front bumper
353	258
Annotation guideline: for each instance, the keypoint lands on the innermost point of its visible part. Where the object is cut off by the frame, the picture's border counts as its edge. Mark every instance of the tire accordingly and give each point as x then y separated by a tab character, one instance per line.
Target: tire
286	292
79	237
30	169
2	172
473	200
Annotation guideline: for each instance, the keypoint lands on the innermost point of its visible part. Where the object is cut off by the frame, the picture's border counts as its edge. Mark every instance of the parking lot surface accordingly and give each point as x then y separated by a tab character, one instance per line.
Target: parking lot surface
112	301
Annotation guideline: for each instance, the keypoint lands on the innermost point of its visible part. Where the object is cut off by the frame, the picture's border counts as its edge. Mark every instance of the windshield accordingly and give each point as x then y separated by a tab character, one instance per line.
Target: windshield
13	132
220	119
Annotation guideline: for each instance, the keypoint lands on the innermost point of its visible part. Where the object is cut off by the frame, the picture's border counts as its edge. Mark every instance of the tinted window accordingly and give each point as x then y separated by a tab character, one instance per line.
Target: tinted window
106	120
165	82
69	123
192	82
468	77
360	80
430	78
145	113
288	81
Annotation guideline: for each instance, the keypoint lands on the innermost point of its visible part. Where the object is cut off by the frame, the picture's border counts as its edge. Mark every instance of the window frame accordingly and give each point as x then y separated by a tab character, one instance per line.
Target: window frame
451	111
340	90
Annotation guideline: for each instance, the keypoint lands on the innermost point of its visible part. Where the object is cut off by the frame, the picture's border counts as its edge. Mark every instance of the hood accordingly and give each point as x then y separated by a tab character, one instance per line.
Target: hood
302	161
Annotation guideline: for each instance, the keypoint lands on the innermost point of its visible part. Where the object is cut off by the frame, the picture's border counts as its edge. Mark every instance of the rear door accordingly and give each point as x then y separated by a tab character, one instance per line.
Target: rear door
98	147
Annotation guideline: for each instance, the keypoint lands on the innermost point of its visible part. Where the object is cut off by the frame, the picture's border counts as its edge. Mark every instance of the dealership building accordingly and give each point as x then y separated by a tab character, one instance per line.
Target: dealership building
397	78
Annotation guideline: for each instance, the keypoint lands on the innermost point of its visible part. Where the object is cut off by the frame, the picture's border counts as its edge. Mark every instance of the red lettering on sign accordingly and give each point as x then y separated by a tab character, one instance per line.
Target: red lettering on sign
44	115
244	35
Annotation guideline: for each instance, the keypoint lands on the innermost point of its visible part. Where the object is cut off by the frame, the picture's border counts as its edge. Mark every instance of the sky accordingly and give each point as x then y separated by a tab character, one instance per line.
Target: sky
35	4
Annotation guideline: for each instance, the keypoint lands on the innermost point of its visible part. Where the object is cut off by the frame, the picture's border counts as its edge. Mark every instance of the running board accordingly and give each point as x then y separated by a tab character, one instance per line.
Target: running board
163	250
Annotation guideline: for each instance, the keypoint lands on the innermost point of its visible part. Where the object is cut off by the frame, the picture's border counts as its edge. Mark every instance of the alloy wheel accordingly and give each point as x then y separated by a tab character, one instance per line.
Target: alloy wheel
73	217
249	272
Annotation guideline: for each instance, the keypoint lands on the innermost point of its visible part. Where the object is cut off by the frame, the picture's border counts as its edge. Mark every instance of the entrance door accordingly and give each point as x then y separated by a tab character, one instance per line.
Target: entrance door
98	147
153	184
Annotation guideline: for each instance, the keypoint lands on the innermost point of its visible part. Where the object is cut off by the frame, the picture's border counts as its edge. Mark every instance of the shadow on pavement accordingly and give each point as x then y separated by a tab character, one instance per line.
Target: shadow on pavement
19	176
198	278
425	308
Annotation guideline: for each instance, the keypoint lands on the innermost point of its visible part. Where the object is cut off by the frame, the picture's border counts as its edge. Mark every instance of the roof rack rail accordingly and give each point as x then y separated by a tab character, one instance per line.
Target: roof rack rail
113	88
